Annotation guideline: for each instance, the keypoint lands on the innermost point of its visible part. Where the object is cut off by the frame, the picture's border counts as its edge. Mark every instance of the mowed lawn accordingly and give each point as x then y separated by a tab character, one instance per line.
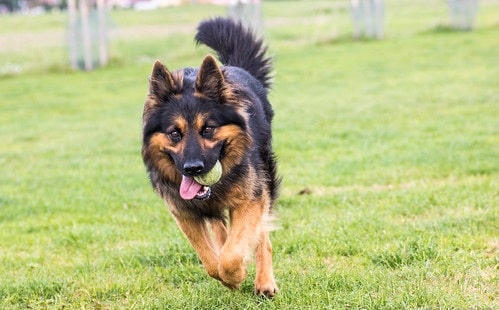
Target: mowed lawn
389	151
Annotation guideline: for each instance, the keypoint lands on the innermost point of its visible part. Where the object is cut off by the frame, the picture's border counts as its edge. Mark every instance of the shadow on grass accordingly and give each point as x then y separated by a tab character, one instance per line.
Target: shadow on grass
345	39
173	256
449	29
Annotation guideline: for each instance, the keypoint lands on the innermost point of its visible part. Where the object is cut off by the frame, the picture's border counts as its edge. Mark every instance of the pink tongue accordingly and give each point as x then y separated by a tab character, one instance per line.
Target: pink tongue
189	188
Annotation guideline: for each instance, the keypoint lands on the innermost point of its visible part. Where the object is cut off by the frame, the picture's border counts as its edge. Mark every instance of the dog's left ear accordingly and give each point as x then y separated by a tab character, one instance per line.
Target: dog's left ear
210	79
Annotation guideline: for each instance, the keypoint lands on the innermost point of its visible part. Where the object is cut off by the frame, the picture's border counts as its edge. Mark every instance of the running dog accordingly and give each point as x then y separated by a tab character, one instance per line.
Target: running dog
196	118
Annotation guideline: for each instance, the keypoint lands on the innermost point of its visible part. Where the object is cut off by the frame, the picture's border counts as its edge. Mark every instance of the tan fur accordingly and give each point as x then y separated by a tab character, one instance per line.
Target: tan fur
224	252
223	249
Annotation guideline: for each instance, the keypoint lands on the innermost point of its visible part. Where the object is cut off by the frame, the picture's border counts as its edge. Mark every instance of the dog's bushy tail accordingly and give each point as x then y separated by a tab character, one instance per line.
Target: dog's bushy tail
236	46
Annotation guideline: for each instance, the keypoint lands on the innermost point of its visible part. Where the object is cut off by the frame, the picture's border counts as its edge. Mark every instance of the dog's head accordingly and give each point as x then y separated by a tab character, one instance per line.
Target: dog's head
193	118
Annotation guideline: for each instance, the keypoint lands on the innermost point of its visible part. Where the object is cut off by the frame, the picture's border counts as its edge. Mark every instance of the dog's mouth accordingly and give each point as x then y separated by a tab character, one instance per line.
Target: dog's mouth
190	189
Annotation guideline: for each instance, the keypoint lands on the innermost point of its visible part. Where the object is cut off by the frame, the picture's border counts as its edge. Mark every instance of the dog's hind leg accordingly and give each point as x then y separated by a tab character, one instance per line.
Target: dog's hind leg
196	231
264	281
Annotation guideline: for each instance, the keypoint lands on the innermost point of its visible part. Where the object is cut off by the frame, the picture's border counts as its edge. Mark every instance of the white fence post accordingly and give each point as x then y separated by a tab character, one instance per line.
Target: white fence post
249	12
88	34
368	18
463	13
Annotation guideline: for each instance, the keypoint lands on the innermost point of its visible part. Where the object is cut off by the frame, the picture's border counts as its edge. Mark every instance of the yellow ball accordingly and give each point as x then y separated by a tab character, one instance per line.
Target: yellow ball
212	176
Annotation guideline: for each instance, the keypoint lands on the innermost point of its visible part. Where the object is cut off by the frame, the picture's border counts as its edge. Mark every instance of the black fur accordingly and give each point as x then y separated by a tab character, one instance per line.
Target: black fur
236	46
246	71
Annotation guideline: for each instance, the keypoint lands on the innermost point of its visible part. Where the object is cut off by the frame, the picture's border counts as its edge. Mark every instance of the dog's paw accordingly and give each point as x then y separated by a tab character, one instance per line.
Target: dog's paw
268	289
231	286
232	272
233	279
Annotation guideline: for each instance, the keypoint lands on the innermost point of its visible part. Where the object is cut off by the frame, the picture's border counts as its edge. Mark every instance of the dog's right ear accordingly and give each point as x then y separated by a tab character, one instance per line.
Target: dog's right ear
210	79
161	83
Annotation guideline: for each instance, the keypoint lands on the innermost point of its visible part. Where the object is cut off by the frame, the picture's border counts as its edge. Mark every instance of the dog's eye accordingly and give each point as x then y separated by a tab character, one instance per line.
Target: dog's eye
208	131
175	136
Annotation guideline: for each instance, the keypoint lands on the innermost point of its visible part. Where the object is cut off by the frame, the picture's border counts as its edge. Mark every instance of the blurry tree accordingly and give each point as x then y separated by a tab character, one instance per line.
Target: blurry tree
11	5
20	5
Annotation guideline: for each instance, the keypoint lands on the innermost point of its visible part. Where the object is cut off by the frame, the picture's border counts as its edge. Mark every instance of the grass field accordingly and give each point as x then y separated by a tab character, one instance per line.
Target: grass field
389	152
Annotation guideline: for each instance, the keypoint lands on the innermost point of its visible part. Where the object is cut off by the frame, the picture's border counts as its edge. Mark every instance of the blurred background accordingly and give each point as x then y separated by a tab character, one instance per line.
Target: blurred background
85	34
386	131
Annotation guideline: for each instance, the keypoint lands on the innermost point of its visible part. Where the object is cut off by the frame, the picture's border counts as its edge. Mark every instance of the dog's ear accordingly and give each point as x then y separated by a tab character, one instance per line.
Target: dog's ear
161	83
210	79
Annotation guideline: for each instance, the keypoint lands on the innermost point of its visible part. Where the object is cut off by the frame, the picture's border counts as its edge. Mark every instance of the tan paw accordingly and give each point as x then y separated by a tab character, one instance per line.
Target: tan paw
268	289
232	272
233	278
231	286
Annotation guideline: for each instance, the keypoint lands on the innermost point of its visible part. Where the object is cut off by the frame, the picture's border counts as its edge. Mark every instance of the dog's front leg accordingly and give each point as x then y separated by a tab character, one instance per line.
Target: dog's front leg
196	232
241	242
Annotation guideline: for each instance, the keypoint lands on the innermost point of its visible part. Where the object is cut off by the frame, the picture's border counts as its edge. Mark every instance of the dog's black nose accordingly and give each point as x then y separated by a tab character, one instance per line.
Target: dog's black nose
193	167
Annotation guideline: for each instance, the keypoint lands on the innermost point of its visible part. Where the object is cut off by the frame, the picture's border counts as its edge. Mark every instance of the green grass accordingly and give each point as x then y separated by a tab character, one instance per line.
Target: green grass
389	152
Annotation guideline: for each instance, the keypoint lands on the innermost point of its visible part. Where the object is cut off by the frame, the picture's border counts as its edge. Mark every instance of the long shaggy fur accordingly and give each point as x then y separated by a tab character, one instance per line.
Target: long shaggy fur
236	46
196	117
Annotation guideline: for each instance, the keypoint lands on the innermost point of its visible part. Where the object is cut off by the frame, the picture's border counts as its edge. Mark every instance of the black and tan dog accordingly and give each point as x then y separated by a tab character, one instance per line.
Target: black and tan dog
194	117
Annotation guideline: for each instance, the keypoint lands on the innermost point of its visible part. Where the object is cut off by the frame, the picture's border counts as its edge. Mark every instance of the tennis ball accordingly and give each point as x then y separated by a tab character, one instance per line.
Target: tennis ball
212	176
